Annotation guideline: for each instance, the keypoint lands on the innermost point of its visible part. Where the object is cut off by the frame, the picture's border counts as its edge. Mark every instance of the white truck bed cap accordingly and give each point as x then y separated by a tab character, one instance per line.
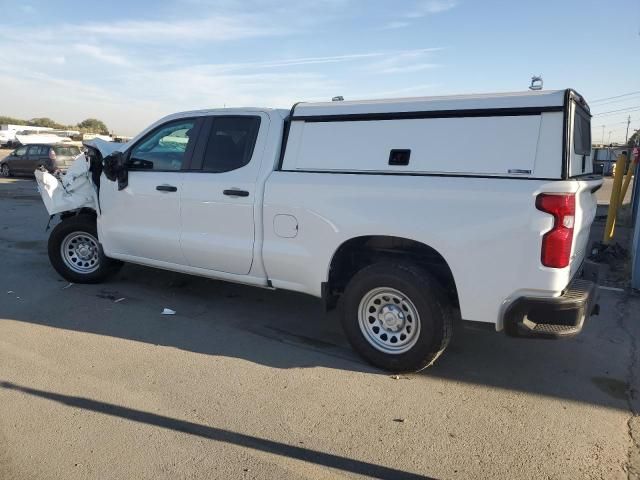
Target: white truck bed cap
526	99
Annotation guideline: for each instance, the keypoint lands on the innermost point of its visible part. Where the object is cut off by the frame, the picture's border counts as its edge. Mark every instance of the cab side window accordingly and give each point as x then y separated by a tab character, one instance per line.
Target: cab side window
164	148
230	143
34	150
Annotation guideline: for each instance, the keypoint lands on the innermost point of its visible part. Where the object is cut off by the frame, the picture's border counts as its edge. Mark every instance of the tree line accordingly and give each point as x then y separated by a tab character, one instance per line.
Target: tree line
89	125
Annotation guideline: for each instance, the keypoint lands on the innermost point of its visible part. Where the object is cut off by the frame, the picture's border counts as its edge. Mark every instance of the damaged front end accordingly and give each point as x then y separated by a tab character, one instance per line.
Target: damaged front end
73	191
79	188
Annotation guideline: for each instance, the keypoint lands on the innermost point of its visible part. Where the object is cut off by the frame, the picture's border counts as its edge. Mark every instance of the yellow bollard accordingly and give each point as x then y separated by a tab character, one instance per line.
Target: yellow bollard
614	202
627	180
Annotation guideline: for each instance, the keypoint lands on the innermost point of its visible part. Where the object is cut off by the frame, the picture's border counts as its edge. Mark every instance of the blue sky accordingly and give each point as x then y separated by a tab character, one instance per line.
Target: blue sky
130	62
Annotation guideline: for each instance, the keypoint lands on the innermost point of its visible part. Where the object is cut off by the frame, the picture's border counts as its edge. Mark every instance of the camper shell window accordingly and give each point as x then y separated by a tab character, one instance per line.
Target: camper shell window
581	133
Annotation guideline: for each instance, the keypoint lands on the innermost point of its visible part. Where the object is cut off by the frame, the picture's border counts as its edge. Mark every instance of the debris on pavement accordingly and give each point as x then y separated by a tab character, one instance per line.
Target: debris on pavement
108	295
168	311
118	300
604	253
70	284
10	292
399	420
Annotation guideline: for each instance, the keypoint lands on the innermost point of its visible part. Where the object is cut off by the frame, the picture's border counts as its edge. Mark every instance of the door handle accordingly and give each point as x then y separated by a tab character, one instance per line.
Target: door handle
167	188
236	193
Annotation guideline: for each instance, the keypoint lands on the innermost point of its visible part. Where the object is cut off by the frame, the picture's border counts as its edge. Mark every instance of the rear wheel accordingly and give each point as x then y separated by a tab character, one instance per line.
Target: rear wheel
5	171
397	316
75	253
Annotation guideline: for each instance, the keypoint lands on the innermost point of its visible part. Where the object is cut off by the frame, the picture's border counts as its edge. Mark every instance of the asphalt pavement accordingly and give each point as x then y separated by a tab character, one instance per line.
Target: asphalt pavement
249	383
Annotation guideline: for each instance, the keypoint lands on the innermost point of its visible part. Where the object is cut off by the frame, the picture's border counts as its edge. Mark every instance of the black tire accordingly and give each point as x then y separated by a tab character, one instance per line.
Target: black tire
425	295
79	224
5	171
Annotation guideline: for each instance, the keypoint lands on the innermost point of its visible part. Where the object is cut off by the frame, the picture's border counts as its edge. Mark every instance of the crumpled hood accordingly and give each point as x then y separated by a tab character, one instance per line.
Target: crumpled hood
104	147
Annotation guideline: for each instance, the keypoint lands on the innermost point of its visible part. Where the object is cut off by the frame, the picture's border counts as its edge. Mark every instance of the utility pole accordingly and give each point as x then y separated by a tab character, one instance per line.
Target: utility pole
609	141
602	142
626	138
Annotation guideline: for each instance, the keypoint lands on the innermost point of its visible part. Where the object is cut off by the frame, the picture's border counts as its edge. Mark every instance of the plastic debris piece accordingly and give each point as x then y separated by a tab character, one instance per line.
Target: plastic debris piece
399	420
118	300
168	311
70	284
10	292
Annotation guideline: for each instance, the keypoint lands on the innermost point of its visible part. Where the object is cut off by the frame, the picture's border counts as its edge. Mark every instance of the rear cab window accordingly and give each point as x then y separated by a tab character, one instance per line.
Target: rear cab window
67	151
230	143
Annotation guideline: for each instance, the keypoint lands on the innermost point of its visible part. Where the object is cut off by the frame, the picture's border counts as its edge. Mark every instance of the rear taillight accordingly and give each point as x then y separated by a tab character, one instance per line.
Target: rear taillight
556	244
52	154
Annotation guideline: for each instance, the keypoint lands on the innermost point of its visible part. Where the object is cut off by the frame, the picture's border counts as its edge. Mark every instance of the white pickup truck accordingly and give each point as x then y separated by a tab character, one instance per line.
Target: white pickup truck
408	213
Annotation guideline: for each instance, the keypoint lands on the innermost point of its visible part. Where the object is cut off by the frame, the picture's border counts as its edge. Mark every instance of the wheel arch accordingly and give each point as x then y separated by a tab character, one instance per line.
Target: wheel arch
358	252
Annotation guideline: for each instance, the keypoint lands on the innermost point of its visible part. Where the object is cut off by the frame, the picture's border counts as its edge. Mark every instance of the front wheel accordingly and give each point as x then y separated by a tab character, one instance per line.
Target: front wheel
75	253
4	170
397	316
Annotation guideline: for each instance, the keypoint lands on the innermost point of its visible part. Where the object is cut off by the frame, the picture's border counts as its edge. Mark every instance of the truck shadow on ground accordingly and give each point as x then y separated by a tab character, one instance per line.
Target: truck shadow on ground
287	330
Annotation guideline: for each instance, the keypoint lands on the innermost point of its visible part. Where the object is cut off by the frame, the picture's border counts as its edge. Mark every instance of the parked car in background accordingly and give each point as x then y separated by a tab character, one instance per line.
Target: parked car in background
27	158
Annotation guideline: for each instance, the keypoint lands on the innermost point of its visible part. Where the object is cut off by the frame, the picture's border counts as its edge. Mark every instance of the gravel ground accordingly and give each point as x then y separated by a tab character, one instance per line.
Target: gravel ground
248	383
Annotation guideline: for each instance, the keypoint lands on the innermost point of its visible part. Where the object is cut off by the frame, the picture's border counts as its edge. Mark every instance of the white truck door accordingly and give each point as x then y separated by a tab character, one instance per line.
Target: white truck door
218	193
143	220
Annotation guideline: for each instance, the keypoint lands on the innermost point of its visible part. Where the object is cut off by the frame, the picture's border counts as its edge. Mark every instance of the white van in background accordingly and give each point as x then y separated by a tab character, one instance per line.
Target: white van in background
8	133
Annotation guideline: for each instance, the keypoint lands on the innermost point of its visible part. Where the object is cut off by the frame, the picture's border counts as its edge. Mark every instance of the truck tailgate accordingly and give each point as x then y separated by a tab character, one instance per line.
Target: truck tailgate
586	206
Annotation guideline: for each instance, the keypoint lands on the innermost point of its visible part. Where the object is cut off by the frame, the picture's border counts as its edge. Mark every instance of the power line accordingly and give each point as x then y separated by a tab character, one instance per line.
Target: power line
610	102
627	109
625	122
616	96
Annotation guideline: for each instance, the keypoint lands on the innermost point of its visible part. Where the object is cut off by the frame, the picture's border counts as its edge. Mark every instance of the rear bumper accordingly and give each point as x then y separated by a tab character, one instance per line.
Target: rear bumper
556	317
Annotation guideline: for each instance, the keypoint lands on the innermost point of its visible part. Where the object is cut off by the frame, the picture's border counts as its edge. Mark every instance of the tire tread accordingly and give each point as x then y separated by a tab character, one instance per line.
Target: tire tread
435	297
85	223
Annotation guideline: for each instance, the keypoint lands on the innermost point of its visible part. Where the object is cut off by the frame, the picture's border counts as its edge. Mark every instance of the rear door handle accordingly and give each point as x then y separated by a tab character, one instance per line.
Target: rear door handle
167	188
236	193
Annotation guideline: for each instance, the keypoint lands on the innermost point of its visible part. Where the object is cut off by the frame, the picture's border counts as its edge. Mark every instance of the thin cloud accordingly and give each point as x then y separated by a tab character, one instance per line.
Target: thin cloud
396	24
430	7
352	57
101	55
214	28
416	67
408	61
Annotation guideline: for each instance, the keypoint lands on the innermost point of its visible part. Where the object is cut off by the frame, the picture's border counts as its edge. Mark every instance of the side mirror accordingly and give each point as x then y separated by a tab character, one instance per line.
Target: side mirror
111	164
115	169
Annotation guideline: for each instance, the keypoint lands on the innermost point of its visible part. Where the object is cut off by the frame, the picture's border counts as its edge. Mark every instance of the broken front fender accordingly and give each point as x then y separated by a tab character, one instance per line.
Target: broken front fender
69	192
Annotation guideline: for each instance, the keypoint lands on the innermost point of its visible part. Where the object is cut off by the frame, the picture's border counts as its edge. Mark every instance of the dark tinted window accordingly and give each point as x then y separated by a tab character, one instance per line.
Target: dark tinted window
20	151
230	144
581	133
34	150
164	148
